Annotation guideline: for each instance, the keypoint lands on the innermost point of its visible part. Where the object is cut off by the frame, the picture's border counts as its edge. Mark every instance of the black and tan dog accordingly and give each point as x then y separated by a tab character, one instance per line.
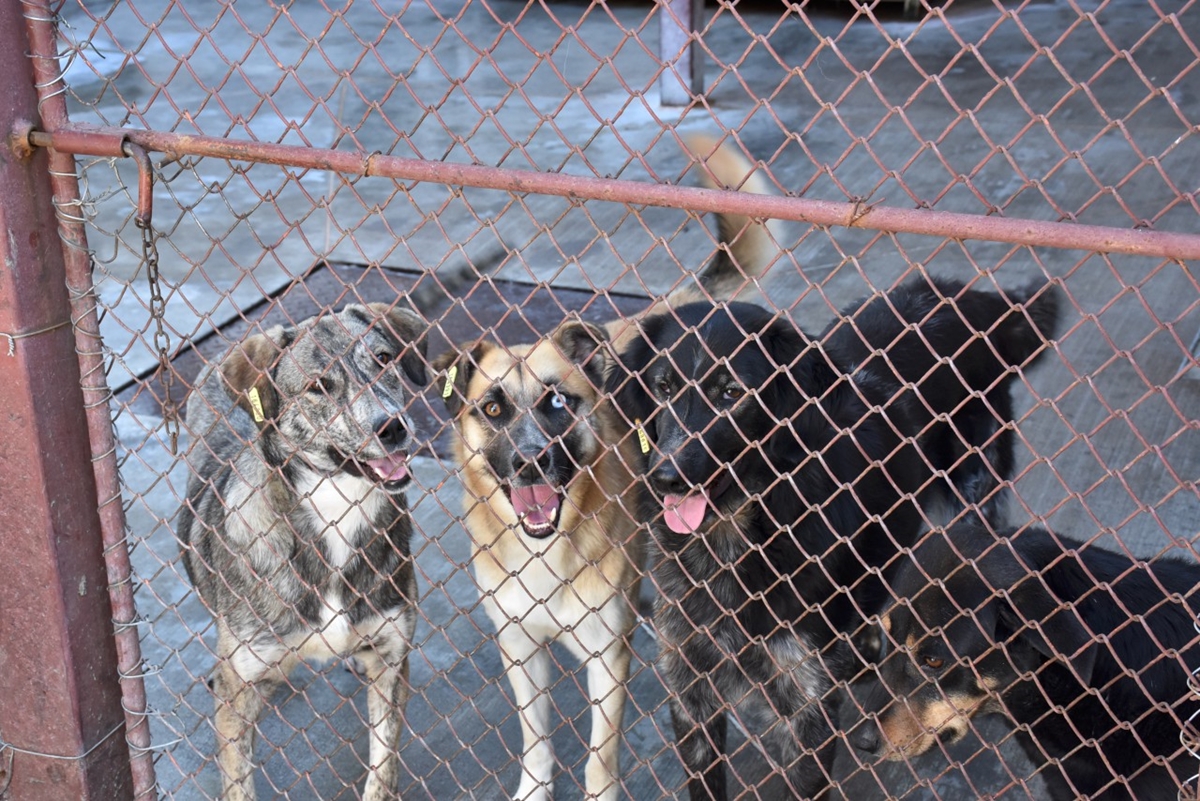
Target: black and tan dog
551	504
296	531
788	471
1088	652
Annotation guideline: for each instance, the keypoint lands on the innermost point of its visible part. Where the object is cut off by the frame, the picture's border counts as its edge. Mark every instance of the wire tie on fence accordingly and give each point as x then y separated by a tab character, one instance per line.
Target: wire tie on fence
146	670
4	745
12	338
162	721
119	627
861	209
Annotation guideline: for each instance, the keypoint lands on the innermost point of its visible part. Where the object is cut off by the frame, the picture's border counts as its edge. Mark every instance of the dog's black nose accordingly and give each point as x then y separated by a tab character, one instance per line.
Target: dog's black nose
535	465
865	737
392	433
666	480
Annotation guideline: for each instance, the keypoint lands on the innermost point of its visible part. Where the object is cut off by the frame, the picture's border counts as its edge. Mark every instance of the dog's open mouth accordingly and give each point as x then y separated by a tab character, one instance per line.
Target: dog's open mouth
538	507
391	470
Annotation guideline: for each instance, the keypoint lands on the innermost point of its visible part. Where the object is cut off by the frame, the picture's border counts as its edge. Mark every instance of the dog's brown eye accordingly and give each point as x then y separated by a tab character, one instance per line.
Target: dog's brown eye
492	409
385	358
933	662
664	387
322	384
734	392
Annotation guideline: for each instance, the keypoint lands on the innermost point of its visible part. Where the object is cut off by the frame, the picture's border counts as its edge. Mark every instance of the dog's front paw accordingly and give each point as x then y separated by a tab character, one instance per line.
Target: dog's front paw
531	789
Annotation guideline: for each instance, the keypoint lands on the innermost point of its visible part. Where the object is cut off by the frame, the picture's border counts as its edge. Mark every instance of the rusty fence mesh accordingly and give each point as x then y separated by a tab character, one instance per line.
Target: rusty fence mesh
1068	112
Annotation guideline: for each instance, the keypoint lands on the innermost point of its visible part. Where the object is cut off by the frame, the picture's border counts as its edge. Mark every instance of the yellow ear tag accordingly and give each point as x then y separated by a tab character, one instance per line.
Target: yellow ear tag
256	404
451	374
643	440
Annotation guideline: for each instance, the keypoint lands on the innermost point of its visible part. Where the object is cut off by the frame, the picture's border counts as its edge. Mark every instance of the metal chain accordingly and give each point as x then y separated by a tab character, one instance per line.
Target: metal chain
162	341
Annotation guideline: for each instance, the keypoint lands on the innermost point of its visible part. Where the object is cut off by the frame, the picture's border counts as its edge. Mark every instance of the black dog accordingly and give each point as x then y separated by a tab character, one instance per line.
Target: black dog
789	471
1018	633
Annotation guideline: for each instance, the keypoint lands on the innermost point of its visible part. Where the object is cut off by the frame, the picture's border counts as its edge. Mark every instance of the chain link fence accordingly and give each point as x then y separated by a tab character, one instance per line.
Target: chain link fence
1002	145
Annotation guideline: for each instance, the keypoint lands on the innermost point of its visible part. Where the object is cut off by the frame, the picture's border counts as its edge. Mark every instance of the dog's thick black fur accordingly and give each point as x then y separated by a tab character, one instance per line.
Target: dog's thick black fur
789	471
1102	716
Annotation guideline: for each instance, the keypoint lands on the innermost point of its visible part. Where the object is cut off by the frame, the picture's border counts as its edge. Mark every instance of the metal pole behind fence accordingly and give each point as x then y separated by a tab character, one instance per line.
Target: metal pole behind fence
683	77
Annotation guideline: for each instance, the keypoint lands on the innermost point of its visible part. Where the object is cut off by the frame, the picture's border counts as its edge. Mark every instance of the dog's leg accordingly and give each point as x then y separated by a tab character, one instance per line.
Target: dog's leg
607	676
387	695
527	664
239	705
700	728
810	751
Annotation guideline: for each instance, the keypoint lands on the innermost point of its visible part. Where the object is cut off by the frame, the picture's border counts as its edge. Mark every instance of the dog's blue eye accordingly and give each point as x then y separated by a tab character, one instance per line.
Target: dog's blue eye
558	401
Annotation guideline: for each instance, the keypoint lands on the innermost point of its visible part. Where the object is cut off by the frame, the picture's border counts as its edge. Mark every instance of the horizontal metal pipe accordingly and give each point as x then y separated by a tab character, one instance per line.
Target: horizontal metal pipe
96	141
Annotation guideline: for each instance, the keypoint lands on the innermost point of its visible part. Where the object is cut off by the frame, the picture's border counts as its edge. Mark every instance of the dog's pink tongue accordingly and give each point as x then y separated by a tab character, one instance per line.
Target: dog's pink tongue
536	505
392	467
683	514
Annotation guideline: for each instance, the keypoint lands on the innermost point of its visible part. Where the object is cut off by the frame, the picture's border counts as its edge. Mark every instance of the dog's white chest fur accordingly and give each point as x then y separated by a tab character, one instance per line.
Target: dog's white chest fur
343	509
546	600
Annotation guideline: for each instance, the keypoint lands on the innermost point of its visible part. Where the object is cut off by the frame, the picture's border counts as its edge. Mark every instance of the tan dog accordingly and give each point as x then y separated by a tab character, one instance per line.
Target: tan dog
552	507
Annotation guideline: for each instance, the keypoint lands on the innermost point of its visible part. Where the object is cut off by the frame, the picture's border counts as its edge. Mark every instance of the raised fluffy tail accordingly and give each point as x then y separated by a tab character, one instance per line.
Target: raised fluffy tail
747	246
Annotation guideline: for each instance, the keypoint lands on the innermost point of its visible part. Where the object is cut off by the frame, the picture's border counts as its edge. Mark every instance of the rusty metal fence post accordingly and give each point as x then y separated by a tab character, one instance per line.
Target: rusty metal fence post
63	720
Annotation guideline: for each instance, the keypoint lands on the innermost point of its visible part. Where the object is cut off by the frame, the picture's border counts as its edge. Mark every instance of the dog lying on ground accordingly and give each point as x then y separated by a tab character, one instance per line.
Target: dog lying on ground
296	531
552	507
787	472
1088	652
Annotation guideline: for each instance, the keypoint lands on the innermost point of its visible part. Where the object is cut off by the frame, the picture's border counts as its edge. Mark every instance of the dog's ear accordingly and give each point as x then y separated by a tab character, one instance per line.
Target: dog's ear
626	377
452	373
247	372
584	344
410	330
801	369
1040	627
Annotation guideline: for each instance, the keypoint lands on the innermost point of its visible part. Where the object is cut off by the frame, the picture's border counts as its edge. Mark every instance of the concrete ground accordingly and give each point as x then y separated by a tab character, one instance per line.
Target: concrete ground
1109	442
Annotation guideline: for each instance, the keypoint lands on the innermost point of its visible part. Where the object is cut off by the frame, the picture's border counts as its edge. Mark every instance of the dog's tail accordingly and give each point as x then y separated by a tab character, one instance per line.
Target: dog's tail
746	246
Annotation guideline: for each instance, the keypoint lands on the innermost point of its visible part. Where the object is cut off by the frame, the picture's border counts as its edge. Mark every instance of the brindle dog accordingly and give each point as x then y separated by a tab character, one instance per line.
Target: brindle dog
296	530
